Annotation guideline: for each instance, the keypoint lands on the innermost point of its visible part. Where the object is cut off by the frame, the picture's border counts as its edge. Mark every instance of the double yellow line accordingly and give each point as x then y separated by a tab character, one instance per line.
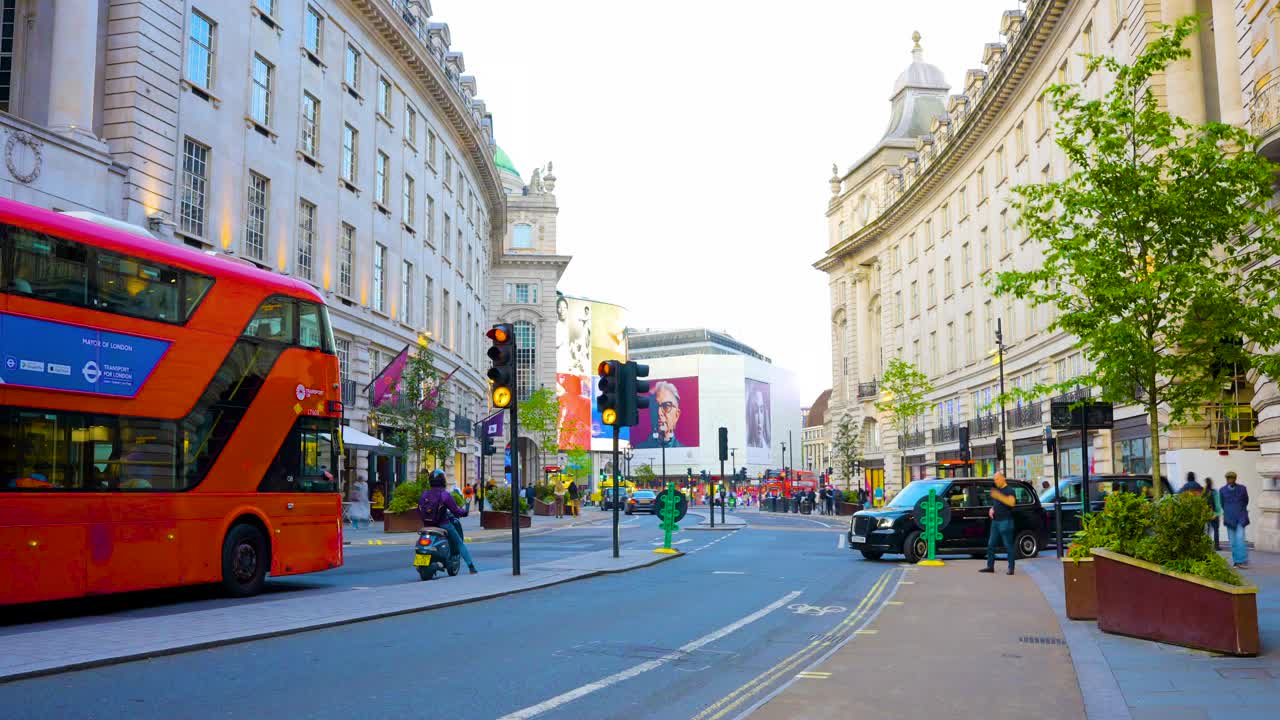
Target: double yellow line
800	658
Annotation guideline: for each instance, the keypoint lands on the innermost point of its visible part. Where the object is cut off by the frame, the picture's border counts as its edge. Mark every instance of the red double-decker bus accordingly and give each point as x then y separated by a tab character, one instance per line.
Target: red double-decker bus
167	416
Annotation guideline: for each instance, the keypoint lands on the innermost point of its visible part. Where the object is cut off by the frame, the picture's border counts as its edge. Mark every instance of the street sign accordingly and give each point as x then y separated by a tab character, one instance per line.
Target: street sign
551	468
1097	415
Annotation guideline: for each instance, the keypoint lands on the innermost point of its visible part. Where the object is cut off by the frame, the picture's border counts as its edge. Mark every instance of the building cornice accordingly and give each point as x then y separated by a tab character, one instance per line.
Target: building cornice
445	88
997	88
559	261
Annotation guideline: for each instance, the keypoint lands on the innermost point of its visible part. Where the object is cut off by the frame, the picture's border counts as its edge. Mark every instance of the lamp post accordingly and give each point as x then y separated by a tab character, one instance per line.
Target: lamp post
658	437
627	456
1002	454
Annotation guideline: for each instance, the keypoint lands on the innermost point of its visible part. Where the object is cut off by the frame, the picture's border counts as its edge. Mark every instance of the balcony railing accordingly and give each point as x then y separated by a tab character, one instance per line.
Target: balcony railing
868	389
915	439
946	433
984	426
1025	416
1073	396
349	393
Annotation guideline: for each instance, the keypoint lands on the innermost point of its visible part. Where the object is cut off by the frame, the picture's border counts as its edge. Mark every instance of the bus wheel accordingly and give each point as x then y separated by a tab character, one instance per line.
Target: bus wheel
244	561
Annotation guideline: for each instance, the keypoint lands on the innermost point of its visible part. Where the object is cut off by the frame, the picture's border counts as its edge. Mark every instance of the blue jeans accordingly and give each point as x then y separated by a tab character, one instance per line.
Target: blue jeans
1001	532
1239	552
455	539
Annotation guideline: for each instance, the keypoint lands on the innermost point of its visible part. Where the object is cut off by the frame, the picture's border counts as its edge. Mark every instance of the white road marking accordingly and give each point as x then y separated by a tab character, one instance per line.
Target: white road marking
682	651
840	542
727	572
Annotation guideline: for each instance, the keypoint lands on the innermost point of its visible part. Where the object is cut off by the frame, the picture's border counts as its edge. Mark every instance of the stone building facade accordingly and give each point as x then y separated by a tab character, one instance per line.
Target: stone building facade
816	435
918	224
337	141
522	290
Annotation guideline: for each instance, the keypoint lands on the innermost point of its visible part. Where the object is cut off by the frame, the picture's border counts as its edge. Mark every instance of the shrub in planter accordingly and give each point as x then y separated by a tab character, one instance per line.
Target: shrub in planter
405	497
500	499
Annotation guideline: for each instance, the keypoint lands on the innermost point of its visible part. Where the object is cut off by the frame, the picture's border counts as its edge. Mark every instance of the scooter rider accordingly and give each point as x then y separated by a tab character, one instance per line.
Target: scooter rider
438	509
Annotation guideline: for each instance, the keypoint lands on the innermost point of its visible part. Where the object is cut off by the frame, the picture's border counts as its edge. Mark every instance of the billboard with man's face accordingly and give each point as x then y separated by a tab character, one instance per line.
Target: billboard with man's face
671	419
759	421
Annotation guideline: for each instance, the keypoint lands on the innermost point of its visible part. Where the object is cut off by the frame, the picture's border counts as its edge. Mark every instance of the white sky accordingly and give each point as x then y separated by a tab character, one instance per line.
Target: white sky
693	141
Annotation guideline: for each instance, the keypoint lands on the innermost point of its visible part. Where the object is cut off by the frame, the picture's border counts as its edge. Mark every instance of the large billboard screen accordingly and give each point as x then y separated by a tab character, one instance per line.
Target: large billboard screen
671	420
759	421
577	335
574	394
608	334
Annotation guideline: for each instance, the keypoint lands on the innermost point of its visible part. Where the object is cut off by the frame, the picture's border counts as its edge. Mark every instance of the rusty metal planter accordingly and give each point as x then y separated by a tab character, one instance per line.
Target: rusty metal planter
402	522
1081	588
495	520
1143	600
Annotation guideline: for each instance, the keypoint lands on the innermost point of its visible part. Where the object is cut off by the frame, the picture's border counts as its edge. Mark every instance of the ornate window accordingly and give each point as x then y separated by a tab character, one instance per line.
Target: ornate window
526	357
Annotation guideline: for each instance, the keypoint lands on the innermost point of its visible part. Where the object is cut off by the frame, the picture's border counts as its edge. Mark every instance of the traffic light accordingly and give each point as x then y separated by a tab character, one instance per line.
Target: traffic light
607	400
502	375
633	393
486	444
724	444
964	442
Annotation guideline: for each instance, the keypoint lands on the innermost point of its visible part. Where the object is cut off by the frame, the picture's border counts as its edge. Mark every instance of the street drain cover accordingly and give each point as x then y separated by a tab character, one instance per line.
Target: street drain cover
1041	640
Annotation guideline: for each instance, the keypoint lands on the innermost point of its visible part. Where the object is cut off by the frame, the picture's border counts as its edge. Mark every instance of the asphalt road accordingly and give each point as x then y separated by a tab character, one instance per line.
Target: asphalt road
663	642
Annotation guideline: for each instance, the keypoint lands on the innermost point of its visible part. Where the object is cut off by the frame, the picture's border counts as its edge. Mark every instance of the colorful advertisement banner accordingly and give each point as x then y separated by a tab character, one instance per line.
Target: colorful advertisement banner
608	334
574	394
759	421
60	356
577	348
671	420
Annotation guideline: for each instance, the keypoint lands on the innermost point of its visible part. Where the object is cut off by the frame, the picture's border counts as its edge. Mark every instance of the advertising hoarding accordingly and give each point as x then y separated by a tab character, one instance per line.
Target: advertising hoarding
759	421
672	414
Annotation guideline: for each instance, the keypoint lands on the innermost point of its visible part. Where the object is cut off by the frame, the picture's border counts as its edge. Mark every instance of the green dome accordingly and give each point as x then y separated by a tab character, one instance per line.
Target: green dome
503	161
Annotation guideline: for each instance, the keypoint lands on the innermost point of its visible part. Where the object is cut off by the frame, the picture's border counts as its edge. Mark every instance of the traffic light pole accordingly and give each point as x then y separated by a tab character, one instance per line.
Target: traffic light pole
515	482
723	502
616	430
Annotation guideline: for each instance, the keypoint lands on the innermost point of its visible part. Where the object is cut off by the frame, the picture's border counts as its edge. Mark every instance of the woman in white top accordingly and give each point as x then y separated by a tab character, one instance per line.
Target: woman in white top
359	497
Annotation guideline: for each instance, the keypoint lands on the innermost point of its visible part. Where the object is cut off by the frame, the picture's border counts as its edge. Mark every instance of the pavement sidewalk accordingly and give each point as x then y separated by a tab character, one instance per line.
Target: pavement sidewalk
731	520
374	534
1129	679
949	643
44	651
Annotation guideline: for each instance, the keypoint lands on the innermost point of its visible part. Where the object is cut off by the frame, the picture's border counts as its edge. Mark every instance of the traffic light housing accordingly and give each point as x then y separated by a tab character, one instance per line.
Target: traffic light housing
633	393
487	448
724	444
502	373
607	400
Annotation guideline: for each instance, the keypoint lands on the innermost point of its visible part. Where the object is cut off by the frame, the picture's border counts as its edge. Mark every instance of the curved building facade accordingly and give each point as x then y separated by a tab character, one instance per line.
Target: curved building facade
337	141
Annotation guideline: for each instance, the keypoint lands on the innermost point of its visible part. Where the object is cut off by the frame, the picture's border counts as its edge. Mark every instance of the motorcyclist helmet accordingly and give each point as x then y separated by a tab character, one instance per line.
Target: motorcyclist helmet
437	478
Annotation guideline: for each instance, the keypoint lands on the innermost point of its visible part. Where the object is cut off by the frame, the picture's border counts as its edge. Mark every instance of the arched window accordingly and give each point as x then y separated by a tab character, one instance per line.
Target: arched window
526	357
522	236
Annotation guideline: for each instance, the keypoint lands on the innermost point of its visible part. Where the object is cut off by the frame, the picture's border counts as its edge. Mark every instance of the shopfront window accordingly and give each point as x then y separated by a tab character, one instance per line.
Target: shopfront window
1133	457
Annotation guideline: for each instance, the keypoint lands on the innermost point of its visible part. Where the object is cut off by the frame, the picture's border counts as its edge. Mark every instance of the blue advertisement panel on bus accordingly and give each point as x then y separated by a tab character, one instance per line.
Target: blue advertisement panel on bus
60	356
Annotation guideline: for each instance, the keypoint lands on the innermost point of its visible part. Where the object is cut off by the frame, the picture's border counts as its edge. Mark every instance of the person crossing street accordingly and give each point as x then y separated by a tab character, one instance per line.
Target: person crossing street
1001	524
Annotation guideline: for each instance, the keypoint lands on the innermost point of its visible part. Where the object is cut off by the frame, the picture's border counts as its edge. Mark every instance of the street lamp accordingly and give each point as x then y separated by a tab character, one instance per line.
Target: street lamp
627	455
658	437
1004	461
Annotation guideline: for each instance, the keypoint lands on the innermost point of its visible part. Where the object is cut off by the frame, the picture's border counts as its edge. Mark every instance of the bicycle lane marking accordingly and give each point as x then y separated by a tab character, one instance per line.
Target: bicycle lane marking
839	635
684	650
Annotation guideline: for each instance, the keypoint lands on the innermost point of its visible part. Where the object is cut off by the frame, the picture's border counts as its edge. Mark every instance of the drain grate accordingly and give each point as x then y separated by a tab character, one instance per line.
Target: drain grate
1041	640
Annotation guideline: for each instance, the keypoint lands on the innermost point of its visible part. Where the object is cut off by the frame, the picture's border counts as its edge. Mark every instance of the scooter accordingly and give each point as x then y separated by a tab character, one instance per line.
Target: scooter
434	553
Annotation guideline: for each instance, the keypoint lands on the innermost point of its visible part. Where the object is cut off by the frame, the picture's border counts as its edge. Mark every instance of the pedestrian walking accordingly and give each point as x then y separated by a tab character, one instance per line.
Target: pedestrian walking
559	492
1001	524
573	499
831	500
358	510
1235	515
1215	502
469	494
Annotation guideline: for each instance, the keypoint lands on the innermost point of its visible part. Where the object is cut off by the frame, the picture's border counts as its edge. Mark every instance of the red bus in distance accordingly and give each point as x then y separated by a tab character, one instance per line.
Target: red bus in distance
167	416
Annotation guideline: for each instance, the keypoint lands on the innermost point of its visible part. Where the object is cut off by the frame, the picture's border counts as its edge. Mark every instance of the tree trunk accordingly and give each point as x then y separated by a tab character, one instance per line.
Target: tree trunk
1153	420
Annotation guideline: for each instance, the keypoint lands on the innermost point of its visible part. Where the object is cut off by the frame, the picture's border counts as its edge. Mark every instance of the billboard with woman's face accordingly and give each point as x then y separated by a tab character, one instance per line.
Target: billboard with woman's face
759	421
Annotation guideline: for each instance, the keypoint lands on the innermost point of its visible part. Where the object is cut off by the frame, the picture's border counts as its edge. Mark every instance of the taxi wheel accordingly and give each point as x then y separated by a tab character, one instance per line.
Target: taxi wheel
1028	545
915	547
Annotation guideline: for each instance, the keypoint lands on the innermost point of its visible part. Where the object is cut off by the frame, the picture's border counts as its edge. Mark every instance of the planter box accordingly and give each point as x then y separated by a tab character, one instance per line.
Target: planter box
494	520
544	509
1081	587
844	508
402	522
1145	601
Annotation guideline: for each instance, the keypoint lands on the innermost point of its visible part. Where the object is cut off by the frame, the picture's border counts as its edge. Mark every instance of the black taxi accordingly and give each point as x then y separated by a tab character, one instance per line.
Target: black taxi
892	529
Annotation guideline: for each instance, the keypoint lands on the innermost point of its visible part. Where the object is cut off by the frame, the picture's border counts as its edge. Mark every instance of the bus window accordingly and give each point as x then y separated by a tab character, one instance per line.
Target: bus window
273	321
130	286
148	458
310	332
194	288
49	268
305	456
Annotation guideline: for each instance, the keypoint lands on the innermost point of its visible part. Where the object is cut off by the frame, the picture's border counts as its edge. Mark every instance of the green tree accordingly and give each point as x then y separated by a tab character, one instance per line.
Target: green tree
902	397
846	447
579	464
645	475
418	413
540	417
1157	247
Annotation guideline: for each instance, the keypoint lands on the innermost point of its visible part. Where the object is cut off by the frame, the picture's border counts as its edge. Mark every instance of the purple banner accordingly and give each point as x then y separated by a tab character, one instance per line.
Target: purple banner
494	425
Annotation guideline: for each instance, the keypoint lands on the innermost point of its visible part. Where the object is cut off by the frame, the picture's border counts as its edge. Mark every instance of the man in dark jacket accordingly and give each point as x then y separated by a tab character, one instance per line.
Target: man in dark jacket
438	509
1235	515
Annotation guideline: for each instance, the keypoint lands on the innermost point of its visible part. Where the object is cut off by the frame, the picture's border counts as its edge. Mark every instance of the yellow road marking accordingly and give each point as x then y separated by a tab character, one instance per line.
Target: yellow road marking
892	602
796	659
814	675
865	632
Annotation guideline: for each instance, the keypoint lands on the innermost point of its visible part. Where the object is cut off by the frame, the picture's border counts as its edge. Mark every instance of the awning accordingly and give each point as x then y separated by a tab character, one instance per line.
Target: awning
353	439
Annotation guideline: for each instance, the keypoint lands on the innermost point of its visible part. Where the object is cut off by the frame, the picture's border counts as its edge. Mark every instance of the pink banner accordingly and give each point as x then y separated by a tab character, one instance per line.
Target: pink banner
387	384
